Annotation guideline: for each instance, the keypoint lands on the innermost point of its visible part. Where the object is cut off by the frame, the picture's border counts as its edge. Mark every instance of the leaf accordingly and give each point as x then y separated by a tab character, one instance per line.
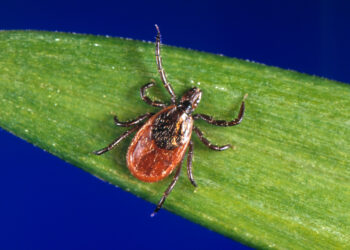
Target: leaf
286	184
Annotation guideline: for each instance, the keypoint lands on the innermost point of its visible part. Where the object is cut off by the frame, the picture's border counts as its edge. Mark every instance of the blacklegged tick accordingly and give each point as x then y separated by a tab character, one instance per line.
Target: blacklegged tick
161	142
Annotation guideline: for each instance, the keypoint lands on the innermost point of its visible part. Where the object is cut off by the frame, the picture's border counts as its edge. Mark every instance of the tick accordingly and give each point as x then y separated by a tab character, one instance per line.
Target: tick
160	143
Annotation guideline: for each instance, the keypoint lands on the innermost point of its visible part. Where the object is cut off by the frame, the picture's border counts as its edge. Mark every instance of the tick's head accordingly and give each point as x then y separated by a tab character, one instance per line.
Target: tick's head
190	100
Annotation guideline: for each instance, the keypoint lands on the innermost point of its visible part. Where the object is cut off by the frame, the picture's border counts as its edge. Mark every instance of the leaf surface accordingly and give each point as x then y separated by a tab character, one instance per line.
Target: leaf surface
286	184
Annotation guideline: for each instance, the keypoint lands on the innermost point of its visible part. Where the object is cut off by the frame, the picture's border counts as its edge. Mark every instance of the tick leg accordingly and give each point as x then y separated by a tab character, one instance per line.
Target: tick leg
147	99
161	70
223	123
168	190
208	143
189	164
116	141
133	122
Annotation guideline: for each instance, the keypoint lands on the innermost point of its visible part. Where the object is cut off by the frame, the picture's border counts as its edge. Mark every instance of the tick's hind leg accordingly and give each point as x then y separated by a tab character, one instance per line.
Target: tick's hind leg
161	70
133	122
116	141
223	123
147	99
208	143
189	164
168	190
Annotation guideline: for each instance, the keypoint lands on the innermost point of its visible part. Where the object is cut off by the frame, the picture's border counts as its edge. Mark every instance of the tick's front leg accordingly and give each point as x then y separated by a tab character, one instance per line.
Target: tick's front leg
161	70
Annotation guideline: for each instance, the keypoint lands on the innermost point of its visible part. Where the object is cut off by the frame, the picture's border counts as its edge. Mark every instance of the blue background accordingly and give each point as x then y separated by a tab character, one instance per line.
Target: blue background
49	204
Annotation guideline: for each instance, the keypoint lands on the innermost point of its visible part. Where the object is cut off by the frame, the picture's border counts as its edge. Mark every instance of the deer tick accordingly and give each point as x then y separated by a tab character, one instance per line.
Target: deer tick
160	143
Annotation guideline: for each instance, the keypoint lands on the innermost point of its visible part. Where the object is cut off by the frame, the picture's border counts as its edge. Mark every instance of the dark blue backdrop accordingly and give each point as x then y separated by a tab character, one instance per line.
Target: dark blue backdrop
49	204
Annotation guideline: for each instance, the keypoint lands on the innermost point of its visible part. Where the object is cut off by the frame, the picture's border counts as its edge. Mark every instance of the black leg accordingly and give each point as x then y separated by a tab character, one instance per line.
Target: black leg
133	122
189	164
223	123
147	99
161	70
168	190
208	143
116	141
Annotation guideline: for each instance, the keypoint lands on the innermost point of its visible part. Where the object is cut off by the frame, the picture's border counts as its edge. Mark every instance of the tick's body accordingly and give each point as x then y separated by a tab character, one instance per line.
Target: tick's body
160	144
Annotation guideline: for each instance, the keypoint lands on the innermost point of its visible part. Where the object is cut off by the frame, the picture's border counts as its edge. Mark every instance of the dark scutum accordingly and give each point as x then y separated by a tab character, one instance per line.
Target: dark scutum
166	132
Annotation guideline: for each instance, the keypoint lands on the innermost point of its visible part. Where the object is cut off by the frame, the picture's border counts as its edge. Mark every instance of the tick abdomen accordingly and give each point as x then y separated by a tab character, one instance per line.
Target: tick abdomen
150	162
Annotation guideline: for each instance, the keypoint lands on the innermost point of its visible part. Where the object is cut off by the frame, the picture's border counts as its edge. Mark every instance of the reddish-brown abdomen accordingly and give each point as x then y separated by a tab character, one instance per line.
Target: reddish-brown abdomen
149	163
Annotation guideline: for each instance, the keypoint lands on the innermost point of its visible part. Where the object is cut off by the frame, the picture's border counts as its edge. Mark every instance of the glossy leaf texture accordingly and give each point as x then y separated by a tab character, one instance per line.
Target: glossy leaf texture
285	185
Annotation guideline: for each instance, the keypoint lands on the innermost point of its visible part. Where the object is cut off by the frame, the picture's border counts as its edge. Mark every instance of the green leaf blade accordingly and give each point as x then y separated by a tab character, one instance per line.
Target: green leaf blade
286	184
